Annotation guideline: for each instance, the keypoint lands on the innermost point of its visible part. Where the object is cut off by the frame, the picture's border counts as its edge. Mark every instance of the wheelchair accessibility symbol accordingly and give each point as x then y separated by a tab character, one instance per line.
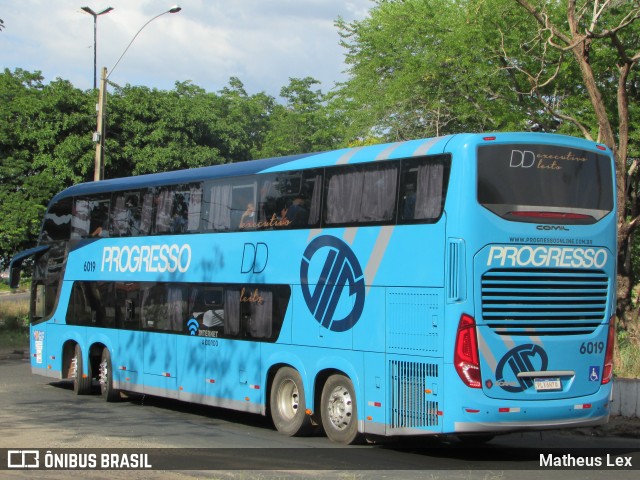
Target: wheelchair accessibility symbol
594	374
328	267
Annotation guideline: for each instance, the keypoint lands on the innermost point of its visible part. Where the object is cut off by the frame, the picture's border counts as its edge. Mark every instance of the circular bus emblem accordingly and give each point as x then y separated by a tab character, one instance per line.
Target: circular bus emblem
334	266
525	358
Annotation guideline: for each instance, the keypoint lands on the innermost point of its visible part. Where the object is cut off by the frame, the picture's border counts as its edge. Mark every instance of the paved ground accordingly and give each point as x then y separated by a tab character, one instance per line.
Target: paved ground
617	426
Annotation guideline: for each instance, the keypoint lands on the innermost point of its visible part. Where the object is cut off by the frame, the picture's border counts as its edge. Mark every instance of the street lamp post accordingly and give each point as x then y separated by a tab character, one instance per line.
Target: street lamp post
95	16
99	136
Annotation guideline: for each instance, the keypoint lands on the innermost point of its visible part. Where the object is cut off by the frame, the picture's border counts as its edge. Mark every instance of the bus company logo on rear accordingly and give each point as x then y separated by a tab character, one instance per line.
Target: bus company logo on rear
337	266
543	256
525	358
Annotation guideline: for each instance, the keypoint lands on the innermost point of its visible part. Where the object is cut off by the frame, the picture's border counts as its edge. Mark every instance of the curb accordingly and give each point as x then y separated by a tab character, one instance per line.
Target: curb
626	392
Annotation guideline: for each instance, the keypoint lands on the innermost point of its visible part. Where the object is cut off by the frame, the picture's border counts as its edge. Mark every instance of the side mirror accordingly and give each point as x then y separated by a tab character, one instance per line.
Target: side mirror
14	276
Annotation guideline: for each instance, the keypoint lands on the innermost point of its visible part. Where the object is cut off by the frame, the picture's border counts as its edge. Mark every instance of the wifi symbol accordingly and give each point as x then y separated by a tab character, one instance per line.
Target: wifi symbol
193	326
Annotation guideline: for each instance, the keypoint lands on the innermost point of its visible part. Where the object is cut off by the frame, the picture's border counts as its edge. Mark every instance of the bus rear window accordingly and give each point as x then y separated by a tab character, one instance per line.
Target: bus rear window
544	183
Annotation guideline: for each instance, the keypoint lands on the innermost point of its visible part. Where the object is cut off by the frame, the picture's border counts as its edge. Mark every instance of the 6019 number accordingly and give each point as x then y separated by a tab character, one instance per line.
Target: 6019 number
589	348
90	266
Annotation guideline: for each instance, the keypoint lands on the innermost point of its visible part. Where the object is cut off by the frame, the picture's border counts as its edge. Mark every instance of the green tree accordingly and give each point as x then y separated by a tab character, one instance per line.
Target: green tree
150	130
599	40
428	67
44	147
303	123
425	68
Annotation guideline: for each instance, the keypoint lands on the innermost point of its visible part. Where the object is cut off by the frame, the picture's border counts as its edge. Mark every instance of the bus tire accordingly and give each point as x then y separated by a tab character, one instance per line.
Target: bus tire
339	411
81	384
288	403
105	376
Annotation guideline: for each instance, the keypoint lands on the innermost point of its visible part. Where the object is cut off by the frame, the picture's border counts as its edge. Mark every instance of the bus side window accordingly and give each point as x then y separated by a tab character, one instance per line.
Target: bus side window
125	214
232	312
57	221
38	303
92	304
258	311
163	306
361	194
178	209
216	207
290	200
243	206
90	217
423	183
207	307
127	299
146	215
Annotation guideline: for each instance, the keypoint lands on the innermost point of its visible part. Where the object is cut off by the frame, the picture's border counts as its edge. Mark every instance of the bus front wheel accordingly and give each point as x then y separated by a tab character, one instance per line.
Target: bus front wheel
105	376
339	410
81	382
288	403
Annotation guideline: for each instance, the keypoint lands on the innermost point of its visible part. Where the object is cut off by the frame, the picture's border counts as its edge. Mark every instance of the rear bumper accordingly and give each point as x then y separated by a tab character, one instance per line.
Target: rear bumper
514	426
476	412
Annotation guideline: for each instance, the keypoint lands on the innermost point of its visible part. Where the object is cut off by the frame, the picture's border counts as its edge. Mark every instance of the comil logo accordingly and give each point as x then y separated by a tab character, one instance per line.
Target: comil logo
329	264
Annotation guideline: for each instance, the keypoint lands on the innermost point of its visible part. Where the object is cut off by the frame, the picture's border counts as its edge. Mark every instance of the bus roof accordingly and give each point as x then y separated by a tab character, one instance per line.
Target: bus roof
401	149
175	177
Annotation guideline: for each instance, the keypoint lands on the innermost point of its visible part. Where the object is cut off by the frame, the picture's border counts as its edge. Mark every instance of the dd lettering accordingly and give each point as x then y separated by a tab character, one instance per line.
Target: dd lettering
254	257
522	159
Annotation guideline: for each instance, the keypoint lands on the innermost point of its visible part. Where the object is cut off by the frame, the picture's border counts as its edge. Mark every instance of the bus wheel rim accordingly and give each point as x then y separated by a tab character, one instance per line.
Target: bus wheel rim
288	399
103	373
340	407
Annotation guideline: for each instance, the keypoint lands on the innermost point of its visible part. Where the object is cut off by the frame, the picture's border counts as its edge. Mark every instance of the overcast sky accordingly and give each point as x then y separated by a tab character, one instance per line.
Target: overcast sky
262	42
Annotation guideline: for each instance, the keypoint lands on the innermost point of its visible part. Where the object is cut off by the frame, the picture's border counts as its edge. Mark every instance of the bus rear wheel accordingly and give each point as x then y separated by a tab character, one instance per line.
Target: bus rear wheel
81	383
339	410
105	376
288	403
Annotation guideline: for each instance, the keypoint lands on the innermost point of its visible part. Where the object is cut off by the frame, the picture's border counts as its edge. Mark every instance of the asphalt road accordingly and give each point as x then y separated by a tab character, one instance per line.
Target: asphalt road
14	296
38	413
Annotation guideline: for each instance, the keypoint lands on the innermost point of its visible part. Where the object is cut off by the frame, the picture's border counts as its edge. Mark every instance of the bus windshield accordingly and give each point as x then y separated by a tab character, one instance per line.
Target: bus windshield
544	183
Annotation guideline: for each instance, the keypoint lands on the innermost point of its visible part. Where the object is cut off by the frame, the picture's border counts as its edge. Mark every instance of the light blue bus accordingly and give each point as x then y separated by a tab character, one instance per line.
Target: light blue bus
459	285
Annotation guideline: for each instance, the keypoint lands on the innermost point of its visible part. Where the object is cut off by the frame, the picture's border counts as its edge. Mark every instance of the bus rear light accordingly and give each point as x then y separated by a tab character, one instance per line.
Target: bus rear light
607	371
471	410
466	358
550	215
488	139
582	406
601	147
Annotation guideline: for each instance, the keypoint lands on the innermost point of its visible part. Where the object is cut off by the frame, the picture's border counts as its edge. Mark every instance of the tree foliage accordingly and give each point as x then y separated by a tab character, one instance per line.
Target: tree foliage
599	40
427	67
423	68
303	123
44	147
46	136
416	68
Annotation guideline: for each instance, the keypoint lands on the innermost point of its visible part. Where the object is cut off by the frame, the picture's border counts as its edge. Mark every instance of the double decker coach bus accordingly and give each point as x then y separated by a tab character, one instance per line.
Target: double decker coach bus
454	285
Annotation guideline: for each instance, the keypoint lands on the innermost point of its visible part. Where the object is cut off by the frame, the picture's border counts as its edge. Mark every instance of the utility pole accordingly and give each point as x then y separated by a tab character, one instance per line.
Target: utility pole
100	133
98	173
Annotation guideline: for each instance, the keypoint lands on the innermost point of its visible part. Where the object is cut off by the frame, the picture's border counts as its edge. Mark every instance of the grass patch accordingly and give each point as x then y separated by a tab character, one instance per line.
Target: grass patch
14	324
627	360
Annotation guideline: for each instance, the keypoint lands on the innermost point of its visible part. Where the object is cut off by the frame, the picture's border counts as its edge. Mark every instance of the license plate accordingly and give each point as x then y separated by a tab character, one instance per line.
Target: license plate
547	384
